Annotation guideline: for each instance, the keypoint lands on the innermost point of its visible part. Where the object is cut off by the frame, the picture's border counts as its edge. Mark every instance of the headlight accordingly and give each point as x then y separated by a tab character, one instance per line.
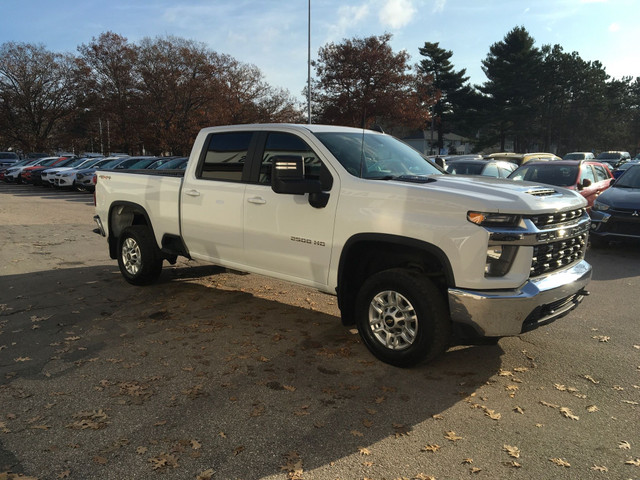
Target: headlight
493	219
602	207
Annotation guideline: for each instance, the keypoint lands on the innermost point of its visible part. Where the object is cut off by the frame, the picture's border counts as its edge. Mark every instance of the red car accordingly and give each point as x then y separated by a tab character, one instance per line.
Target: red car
587	177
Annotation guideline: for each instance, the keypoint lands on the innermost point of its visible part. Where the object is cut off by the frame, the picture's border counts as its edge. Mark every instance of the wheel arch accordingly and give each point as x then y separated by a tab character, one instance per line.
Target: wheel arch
124	214
368	253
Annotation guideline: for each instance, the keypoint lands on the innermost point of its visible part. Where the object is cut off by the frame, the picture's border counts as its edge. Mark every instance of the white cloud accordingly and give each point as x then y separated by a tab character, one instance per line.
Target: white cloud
396	13
348	18
438	6
614	27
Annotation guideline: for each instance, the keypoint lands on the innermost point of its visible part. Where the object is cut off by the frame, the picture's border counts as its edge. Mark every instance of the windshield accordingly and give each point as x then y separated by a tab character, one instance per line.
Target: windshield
574	156
376	156
460	168
549	173
608	156
630	178
177	163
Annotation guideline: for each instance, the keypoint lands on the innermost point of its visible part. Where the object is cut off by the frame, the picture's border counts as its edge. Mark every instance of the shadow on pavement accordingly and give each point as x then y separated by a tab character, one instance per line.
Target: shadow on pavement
115	381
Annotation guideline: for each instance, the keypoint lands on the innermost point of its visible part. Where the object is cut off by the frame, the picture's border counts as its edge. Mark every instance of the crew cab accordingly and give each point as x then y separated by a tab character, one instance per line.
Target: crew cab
411	252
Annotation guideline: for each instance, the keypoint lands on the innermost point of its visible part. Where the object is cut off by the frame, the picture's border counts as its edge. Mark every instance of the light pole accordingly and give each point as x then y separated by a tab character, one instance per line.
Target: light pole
309	67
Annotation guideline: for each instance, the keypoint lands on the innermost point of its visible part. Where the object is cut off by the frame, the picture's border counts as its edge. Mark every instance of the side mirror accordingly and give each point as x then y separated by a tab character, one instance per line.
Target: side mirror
287	176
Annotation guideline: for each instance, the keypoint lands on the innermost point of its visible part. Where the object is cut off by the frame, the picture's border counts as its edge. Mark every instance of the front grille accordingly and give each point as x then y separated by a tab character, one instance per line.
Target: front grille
547	220
553	256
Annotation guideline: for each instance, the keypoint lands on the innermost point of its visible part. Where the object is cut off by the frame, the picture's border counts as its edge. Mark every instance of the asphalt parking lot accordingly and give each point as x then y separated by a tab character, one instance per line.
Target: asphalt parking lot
211	374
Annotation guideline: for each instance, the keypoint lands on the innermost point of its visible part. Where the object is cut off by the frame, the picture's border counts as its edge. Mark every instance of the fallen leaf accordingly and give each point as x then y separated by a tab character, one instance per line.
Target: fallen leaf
591	379
635	462
64	474
430	448
566	412
512	451
592	409
364	451
624	445
519	410
238	450
475	470
164	461
206	475
356	433
451	436
195	445
599	468
560	462
141	450
22	359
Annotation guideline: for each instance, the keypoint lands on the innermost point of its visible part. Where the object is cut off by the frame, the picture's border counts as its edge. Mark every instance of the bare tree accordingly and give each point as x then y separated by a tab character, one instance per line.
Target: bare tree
37	93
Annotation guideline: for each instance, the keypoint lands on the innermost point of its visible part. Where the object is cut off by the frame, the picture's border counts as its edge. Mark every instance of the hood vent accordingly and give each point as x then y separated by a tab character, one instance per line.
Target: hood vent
541	192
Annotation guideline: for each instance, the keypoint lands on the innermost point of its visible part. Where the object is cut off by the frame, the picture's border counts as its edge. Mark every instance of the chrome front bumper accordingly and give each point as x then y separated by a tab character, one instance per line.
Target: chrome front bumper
511	312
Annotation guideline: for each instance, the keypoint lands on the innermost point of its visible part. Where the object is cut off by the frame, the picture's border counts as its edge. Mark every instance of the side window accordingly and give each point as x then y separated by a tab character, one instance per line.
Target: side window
226	156
490	170
601	173
587	173
288	144
505	169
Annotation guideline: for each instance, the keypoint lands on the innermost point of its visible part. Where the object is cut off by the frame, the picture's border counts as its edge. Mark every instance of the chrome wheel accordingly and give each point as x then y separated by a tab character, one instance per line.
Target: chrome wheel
393	320
131	256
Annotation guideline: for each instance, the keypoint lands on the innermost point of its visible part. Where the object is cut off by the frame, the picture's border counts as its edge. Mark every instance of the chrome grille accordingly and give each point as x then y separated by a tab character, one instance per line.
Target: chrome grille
553	256
556	219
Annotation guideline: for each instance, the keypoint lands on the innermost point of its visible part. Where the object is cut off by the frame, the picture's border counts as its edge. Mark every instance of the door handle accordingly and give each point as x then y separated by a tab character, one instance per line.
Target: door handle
192	193
257	200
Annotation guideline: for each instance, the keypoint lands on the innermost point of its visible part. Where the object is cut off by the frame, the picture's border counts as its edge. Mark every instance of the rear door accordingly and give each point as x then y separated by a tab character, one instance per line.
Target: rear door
589	192
212	199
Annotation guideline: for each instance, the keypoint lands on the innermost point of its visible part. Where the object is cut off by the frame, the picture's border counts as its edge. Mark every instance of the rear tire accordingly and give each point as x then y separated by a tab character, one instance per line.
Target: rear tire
402	317
139	258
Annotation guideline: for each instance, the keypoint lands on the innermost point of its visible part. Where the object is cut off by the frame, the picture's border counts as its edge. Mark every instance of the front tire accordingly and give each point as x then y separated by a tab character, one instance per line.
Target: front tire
402	317
139	258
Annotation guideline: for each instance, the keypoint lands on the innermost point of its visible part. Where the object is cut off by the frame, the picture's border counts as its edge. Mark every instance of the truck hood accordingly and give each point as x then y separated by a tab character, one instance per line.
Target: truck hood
502	195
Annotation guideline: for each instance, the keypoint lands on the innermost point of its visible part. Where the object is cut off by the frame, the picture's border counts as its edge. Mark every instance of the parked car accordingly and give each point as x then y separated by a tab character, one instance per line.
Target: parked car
49	174
8	158
579	156
179	163
587	177
66	177
130	161
616	213
520	158
613	158
33	175
83	178
21	163
14	174
486	168
624	167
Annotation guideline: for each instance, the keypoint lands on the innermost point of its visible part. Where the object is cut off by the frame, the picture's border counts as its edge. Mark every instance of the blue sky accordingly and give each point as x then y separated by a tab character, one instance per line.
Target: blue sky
272	34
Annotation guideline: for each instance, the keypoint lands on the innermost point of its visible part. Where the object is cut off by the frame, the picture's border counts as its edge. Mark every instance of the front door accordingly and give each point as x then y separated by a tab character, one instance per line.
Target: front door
283	233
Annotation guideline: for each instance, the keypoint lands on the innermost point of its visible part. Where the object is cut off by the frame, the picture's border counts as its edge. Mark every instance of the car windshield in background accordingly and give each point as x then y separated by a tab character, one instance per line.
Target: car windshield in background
376	156
176	163
630	178
573	156
608	156
558	175
460	168
8	156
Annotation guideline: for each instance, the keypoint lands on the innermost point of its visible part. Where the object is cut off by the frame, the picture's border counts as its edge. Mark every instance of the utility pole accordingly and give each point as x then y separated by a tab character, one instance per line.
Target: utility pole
309	67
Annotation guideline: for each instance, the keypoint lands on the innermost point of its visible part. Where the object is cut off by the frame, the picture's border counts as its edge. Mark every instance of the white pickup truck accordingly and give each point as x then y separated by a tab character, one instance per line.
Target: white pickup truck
410	252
